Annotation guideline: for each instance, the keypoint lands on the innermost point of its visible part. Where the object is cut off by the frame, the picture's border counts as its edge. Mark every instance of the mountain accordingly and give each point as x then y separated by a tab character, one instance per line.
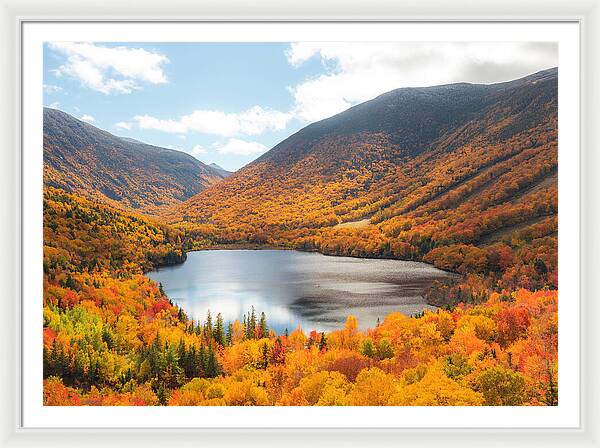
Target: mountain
412	120
81	158
220	169
447	173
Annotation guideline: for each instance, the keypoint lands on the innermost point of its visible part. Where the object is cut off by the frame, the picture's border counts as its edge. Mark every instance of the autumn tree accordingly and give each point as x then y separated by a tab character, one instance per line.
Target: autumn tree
502	387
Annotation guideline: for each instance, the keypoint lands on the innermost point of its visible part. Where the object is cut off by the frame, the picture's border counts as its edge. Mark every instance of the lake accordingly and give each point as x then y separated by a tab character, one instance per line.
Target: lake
296	288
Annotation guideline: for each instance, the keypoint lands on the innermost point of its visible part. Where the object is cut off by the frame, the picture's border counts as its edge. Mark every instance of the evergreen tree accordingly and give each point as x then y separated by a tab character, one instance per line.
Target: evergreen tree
263	329
58	359
246	326
107	337
91	373
212	365
162	395
181	354
70	283
229	333
154	357
323	343
208	327
252	324
218	333
191	367
202	361
79	366
171	367
540	266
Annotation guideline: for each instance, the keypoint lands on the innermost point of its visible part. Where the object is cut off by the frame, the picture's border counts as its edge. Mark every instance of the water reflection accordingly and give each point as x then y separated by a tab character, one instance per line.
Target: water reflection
296	288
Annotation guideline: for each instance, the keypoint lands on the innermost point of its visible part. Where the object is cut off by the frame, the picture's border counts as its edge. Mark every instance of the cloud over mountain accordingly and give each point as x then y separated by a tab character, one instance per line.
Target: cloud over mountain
356	72
253	121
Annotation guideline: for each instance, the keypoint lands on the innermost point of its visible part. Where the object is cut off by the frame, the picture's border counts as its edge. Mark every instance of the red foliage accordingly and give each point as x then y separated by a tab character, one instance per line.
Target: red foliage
49	336
57	394
160	305
348	363
512	323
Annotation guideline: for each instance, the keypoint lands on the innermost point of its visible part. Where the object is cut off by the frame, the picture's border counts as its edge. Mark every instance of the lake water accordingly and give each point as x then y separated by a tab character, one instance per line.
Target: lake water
296	288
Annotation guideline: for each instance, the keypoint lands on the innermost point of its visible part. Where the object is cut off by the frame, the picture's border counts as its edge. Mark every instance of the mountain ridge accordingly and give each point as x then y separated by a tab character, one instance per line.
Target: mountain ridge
79	157
340	120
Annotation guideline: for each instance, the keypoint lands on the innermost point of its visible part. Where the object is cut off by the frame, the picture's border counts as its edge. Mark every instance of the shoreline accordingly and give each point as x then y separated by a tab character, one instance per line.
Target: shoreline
253	246
242	246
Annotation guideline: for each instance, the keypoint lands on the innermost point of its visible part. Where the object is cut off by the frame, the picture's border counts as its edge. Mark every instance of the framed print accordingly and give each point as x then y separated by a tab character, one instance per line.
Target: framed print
233	225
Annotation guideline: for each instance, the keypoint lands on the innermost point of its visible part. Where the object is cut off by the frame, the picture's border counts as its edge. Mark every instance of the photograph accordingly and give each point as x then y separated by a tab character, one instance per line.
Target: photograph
300	223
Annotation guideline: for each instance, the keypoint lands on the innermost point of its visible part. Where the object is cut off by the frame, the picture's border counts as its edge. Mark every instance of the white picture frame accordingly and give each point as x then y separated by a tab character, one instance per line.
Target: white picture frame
16	14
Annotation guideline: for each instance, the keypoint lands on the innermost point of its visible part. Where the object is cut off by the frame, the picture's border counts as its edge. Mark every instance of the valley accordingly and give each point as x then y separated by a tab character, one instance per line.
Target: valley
462	177
375	183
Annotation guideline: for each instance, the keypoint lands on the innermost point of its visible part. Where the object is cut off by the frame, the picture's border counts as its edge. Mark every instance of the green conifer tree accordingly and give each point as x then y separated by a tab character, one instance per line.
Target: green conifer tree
323	343
219	333
252	324
162	395
208	327
212	365
229	333
262	326
202	361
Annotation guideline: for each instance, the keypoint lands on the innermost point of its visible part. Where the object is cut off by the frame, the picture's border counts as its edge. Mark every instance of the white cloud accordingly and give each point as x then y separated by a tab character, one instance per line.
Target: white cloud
51	88
123	125
149	122
54	105
198	150
300	52
253	121
88	118
240	147
115	70
356	72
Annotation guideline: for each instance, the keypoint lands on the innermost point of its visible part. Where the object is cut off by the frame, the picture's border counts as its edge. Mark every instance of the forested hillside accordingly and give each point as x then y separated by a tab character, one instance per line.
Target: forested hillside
81	158
111	336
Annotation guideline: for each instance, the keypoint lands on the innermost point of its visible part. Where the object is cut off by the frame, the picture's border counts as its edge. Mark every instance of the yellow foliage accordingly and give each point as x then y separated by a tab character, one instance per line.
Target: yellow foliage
436	389
325	388
373	387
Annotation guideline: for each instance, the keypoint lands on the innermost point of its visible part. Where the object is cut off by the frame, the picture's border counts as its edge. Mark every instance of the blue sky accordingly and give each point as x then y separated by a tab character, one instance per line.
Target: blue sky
228	103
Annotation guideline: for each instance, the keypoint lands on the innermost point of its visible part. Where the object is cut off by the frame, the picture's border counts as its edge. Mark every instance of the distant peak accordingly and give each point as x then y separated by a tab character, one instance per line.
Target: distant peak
219	169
